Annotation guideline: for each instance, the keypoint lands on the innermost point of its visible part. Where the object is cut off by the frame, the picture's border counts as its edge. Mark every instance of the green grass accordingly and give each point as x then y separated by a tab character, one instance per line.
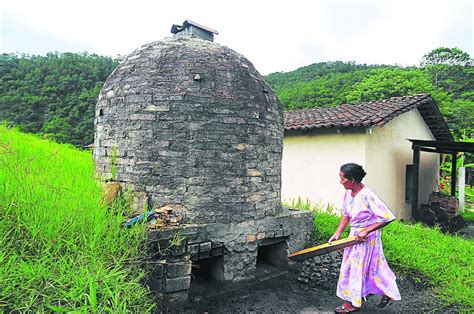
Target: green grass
446	261
61	249
468	214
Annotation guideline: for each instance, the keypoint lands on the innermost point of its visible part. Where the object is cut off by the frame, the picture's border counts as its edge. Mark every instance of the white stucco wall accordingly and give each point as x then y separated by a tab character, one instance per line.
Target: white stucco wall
388	152
311	162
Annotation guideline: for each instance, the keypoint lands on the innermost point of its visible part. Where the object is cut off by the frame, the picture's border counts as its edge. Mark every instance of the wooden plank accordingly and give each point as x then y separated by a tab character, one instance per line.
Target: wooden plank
447	145
434	150
454	159
414	190
322	249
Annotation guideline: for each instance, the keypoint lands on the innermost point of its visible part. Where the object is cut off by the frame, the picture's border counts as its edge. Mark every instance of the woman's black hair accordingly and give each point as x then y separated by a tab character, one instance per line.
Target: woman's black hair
353	171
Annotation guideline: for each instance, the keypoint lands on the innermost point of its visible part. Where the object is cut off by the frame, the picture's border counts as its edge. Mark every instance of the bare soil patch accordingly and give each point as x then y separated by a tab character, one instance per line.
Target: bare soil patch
285	294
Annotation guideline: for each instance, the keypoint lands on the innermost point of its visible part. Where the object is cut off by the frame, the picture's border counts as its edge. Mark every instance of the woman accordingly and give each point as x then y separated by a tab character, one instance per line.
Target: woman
364	270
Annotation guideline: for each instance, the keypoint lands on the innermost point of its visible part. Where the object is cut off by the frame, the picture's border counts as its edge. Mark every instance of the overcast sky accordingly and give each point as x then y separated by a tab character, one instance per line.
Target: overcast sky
274	35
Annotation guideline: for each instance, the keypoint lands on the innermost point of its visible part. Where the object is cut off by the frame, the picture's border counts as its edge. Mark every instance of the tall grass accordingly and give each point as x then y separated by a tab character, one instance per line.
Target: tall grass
445	260
468	214
61	250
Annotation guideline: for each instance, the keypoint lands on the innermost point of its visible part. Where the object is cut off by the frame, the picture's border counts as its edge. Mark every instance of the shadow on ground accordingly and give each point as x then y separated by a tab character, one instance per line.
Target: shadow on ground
284	294
468	231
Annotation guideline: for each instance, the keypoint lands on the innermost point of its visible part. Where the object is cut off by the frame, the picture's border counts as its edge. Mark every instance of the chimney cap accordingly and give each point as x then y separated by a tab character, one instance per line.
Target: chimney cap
187	23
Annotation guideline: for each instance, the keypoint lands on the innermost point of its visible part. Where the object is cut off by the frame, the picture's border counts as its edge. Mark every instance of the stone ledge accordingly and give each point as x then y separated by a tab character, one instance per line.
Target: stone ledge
177	284
178	269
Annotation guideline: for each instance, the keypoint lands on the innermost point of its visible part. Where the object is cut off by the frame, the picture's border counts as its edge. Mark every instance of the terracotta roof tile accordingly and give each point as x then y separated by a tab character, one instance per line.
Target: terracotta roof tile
368	114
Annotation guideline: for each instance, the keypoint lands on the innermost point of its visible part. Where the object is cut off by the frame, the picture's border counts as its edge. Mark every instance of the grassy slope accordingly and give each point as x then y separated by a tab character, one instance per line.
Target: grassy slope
61	249
446	261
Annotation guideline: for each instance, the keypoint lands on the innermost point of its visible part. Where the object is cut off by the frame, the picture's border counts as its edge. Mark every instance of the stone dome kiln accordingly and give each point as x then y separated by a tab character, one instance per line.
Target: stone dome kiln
189	123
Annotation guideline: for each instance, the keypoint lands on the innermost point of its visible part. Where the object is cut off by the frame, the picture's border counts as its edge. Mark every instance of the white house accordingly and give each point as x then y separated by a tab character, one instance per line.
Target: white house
375	135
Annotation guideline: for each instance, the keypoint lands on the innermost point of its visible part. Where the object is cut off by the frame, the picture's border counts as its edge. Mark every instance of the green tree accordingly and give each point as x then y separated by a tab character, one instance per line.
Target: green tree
57	129
448	56
53	94
452	71
386	83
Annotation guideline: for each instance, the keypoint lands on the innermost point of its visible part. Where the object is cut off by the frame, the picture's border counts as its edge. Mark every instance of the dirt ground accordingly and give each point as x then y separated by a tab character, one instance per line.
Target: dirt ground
468	231
285	294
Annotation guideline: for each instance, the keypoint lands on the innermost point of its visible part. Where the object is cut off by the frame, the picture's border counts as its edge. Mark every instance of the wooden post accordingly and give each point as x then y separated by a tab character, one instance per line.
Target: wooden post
415	179
454	160
462	186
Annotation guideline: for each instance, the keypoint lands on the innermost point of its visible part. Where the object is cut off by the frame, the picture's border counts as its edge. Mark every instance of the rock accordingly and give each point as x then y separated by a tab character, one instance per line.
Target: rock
303	279
111	190
139	202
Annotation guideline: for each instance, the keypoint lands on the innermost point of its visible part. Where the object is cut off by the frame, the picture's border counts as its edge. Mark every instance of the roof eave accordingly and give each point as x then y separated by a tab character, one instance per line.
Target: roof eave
442	132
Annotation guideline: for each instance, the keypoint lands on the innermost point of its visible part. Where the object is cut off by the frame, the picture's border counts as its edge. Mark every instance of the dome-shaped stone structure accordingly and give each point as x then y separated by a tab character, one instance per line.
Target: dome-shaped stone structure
192	123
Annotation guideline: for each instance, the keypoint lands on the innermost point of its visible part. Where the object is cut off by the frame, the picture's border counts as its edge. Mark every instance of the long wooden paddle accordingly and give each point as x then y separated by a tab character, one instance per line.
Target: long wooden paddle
322	249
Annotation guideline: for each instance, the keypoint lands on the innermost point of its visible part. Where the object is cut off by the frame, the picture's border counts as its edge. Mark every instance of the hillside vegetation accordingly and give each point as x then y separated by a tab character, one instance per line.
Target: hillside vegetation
334	83
55	94
62	250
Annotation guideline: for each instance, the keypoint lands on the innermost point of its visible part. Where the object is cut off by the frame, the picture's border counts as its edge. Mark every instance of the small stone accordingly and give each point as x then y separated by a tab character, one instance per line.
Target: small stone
219	251
177	284
205	247
146	117
178	250
139	202
257	197
193	248
251	238
205	254
154	108
254	173
111	191
178	269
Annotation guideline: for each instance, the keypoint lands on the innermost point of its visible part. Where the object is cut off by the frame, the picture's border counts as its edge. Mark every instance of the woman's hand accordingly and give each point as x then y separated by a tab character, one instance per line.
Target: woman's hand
361	235
334	237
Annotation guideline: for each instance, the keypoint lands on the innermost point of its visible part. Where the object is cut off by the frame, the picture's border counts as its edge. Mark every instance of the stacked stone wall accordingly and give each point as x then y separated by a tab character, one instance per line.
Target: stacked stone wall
192	128
170	261
192	123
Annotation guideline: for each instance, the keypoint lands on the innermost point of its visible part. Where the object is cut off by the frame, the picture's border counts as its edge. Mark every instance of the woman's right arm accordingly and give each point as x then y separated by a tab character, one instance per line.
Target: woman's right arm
342	225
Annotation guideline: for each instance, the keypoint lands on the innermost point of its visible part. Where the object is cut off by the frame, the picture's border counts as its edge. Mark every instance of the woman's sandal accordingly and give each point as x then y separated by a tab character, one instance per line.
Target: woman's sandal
343	309
384	301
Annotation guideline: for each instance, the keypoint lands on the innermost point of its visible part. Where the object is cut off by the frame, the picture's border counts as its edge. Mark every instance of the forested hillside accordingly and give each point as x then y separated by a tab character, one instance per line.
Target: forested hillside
446	73
55	94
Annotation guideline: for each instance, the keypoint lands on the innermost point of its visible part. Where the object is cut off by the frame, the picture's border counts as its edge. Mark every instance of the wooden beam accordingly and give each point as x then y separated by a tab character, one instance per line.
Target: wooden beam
454	160
415	179
437	127
429	116
435	150
445	145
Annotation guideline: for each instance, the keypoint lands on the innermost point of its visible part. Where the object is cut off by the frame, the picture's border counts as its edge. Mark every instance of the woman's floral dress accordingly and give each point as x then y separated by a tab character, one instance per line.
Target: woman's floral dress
364	269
